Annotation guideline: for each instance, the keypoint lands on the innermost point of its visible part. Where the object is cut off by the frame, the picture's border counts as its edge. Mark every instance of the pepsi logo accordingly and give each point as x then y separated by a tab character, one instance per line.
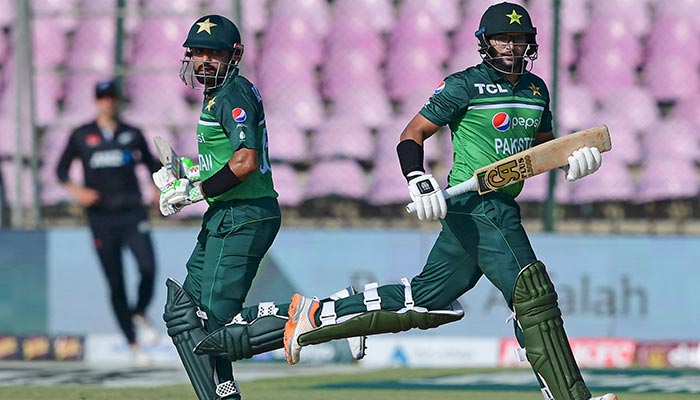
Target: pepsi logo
440	87
239	115
501	121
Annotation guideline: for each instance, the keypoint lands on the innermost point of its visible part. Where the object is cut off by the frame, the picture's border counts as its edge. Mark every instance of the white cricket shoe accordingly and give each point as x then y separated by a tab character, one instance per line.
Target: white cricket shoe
145	331
357	347
139	358
608	396
301	311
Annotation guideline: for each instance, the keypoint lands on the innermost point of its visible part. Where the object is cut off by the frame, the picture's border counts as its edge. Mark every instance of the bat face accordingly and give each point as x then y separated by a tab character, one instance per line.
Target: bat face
541	158
504	174
167	156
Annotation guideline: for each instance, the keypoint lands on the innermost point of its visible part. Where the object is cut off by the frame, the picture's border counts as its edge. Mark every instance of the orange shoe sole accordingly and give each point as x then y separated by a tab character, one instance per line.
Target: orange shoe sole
290	326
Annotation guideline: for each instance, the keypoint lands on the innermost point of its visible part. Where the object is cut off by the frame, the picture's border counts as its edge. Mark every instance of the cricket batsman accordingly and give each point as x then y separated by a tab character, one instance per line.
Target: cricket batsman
205	316
493	109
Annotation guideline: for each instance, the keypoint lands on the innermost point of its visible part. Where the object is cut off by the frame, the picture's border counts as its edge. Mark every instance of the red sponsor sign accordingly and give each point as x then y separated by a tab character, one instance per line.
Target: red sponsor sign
674	354
589	352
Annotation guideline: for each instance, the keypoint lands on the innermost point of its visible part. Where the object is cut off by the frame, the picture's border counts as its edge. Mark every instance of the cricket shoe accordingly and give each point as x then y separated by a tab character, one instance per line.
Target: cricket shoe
145	331
608	396
301	320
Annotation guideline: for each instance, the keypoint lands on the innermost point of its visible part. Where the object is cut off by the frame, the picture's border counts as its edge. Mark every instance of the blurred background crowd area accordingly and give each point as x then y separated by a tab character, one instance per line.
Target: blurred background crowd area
340	79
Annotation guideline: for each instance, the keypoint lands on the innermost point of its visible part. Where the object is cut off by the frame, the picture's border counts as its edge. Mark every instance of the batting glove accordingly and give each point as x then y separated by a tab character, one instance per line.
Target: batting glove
427	195
582	162
183	193
190	170
166	193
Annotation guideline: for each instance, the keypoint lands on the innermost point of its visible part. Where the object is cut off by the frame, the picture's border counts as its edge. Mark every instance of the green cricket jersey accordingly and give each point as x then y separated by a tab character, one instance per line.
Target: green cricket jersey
232	117
489	117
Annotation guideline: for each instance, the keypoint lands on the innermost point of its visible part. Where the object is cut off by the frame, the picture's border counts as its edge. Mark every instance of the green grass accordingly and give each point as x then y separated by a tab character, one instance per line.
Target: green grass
306	388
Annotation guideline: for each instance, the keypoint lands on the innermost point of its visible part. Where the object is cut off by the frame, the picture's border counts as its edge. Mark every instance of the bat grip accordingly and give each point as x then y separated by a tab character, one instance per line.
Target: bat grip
469	185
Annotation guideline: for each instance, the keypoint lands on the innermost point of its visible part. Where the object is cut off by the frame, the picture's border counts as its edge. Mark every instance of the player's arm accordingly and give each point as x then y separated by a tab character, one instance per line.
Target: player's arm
541	137
423	188
85	197
243	162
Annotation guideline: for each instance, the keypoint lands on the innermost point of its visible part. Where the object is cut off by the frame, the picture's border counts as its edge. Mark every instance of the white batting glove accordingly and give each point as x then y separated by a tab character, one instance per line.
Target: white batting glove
582	162
163	179
166	193
183	193
188	169
427	195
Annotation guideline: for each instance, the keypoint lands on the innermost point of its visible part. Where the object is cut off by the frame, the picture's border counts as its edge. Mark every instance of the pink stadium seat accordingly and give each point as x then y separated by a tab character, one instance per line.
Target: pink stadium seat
93	44
343	138
673	140
577	109
369	105
463	59
352	69
287	141
535	189
108	7
635	15
313	12
287	184
277	70
10	180
8	14
255	16
445	13
157	99
635	103
352	37
79	104
156	7
299	104
626	139
49	89
415	28
687	109
157	43
671	78
341	178
388	186
49	43
657	183
186	138
292	32
611	183
679	36
379	13
410	72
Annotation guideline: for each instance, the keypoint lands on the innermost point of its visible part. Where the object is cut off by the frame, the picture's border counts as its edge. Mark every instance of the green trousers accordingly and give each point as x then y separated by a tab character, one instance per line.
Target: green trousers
234	237
481	236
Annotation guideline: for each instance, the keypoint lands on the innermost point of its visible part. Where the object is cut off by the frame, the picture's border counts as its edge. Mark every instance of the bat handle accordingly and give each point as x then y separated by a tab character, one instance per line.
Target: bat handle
469	185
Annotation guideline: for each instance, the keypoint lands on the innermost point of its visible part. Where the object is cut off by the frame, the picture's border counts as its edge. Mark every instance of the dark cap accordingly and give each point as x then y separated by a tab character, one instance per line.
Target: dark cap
107	88
505	18
213	32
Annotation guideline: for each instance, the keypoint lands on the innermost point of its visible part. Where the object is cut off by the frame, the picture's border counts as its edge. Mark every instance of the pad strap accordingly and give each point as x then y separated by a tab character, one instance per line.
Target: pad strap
372	300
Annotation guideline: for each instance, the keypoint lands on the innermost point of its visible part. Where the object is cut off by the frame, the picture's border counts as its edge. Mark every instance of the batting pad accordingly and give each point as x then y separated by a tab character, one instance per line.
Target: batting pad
383	321
186	330
238	341
546	344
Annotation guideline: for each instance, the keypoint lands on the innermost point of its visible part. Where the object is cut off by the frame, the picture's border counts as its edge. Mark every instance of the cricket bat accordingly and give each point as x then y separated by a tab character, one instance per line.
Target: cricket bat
168	157
528	163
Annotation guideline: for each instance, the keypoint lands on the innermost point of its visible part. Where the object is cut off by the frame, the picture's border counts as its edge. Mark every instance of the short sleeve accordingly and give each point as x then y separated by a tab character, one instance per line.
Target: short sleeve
239	118
448	102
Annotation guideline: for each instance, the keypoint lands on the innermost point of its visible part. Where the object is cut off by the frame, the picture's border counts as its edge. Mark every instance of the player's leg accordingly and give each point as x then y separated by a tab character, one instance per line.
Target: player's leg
138	240
508	261
234	249
108	245
428	301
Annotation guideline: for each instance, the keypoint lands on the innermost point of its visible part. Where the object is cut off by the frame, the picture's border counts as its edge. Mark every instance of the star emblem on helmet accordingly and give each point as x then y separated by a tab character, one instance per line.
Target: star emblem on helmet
535	89
206	25
514	17
211	103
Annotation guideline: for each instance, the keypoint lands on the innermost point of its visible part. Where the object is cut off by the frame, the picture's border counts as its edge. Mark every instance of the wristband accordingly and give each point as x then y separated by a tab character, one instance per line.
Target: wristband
220	183
410	156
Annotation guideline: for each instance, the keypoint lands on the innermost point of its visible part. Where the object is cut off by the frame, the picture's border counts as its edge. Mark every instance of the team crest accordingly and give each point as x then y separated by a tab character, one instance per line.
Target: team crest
440	87
239	115
93	139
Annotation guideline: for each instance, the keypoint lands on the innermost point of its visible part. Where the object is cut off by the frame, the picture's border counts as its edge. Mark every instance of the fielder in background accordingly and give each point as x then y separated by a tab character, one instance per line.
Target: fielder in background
205	316
494	110
109	151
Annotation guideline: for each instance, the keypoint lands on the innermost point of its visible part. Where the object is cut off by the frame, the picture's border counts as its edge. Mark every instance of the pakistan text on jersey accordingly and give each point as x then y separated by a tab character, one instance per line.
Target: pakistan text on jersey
205	162
510	146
